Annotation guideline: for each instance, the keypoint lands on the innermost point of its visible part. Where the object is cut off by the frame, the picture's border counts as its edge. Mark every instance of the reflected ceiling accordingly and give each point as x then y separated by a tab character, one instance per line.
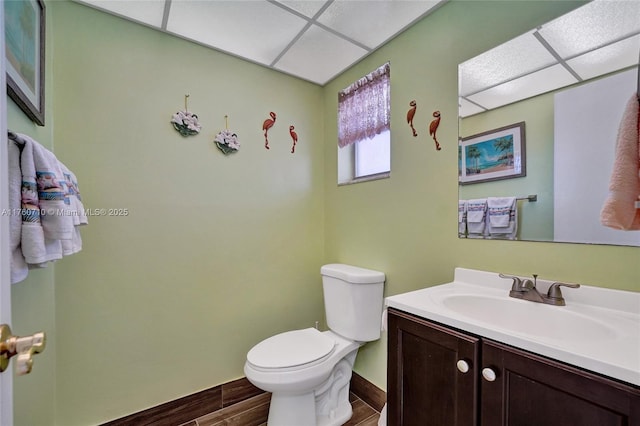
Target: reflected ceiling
312	39
601	37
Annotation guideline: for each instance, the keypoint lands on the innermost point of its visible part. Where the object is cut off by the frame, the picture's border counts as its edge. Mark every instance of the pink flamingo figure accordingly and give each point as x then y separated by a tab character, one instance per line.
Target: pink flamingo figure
294	136
268	123
433	127
410	114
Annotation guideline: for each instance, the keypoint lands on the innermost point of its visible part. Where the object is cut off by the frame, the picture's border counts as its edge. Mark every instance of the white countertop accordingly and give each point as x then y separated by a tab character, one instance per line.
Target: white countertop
602	334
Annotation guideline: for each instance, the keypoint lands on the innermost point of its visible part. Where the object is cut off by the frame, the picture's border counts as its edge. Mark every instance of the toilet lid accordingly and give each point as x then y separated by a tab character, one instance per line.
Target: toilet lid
290	349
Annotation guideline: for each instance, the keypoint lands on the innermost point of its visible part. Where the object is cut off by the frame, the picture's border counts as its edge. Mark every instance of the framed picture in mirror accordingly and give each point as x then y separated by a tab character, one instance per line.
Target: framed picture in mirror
24	52
492	155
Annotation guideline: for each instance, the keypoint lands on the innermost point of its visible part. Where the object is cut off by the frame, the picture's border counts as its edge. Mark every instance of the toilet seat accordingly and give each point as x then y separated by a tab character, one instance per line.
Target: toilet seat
291	350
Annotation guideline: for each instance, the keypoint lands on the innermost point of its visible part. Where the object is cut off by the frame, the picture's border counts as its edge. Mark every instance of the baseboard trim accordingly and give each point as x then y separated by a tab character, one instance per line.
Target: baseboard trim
191	407
187	409
368	392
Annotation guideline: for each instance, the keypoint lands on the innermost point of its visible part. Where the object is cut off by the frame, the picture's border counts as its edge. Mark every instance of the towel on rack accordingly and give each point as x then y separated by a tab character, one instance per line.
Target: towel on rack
33	246
47	207
619	210
462	218
74	201
502	222
19	268
476	217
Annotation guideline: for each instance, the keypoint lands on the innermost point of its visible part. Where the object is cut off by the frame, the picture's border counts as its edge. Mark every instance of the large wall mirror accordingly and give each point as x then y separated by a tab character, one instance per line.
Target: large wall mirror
539	119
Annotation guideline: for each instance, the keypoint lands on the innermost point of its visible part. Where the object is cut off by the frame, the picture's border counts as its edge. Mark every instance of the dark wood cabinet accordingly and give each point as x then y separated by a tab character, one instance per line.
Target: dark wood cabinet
531	390
426	386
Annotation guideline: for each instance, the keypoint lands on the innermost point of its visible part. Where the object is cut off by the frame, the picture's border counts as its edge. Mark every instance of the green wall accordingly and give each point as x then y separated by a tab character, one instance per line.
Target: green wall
216	253
219	252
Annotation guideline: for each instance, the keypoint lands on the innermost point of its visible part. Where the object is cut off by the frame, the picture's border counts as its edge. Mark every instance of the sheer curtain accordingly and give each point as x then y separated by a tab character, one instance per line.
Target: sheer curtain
364	107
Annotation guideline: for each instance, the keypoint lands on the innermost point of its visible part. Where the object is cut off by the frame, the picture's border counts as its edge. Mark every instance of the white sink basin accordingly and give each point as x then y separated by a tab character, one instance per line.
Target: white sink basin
598	329
535	319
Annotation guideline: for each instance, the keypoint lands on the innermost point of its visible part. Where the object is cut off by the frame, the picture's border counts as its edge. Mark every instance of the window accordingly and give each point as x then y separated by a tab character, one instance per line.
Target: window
364	134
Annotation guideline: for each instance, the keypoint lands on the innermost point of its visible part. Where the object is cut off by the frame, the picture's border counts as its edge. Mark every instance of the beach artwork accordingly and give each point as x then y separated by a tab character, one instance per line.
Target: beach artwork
493	155
24	53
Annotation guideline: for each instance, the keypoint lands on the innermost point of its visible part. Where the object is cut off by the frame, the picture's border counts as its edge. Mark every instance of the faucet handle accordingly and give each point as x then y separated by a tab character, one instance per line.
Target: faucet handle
517	281
555	293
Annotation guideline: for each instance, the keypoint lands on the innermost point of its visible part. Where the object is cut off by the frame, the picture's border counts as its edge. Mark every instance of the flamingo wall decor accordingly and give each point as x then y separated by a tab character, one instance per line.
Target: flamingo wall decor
294	137
410	114
268	123
433	127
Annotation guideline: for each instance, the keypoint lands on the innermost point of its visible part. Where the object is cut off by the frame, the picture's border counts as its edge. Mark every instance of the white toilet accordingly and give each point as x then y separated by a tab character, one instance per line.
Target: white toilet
308	371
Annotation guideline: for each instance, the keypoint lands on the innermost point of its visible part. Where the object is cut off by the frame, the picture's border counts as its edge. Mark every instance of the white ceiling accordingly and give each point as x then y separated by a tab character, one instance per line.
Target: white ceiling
315	40
596	39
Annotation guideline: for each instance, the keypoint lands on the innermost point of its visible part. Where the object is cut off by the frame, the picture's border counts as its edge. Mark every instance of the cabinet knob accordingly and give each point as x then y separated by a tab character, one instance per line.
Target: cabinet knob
489	375
463	366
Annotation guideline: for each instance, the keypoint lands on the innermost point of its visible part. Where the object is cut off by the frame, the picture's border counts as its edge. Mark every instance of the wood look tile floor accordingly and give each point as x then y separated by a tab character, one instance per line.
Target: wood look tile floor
254	412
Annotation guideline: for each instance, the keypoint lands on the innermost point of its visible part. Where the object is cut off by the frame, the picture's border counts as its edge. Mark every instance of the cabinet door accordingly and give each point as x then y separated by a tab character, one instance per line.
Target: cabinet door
530	390
425	387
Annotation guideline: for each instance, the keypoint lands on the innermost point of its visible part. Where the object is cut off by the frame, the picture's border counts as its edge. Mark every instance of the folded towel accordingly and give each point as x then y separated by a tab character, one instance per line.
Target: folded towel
57	219
619	210
476	217
502	221
19	269
462	218
73	198
49	207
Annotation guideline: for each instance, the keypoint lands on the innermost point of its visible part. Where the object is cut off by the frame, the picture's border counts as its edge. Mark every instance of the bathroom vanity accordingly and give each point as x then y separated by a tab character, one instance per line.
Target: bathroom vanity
465	353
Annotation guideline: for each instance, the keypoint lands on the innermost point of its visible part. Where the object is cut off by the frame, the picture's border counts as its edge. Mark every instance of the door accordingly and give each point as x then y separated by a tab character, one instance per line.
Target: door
432	379
6	394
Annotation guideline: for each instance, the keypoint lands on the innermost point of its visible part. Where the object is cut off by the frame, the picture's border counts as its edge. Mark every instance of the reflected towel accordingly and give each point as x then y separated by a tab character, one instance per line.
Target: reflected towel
503	217
476	217
619	210
462	218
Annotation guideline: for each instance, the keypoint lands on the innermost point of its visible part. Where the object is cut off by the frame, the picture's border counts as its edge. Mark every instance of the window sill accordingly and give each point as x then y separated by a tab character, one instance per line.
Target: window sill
377	176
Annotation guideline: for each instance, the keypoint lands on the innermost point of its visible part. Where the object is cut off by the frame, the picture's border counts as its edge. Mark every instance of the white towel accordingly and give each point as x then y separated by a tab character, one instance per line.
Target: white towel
476	217
57	220
74	202
45	228
19	269
462	218
502	214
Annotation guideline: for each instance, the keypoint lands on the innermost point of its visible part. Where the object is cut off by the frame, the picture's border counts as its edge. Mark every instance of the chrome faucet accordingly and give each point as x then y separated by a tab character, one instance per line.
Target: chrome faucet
526	289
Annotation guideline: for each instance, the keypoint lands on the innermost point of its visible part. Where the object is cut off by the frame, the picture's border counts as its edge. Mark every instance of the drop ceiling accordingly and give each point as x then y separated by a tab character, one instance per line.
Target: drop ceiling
598	38
315	40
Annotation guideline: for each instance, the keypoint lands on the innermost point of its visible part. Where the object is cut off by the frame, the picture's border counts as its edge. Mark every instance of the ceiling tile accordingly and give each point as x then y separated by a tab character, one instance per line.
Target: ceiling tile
256	30
592	25
307	7
513	59
319	56
146	11
373	22
543	81
614	57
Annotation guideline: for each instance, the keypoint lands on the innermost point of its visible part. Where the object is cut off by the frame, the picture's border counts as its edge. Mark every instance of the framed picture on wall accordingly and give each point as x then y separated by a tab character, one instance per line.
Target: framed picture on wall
24	51
493	155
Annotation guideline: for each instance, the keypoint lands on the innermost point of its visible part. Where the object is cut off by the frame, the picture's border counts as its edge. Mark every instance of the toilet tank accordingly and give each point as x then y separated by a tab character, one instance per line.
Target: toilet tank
353	299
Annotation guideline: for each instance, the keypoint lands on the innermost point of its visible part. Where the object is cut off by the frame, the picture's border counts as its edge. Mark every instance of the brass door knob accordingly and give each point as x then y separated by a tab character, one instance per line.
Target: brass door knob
23	347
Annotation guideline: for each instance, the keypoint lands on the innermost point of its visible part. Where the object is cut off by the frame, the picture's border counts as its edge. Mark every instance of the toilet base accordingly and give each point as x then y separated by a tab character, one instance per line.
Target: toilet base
327	405
290	410
300	410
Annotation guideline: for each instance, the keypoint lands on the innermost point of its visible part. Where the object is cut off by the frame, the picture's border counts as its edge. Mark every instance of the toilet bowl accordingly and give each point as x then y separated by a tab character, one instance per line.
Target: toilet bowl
308	374
308	371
